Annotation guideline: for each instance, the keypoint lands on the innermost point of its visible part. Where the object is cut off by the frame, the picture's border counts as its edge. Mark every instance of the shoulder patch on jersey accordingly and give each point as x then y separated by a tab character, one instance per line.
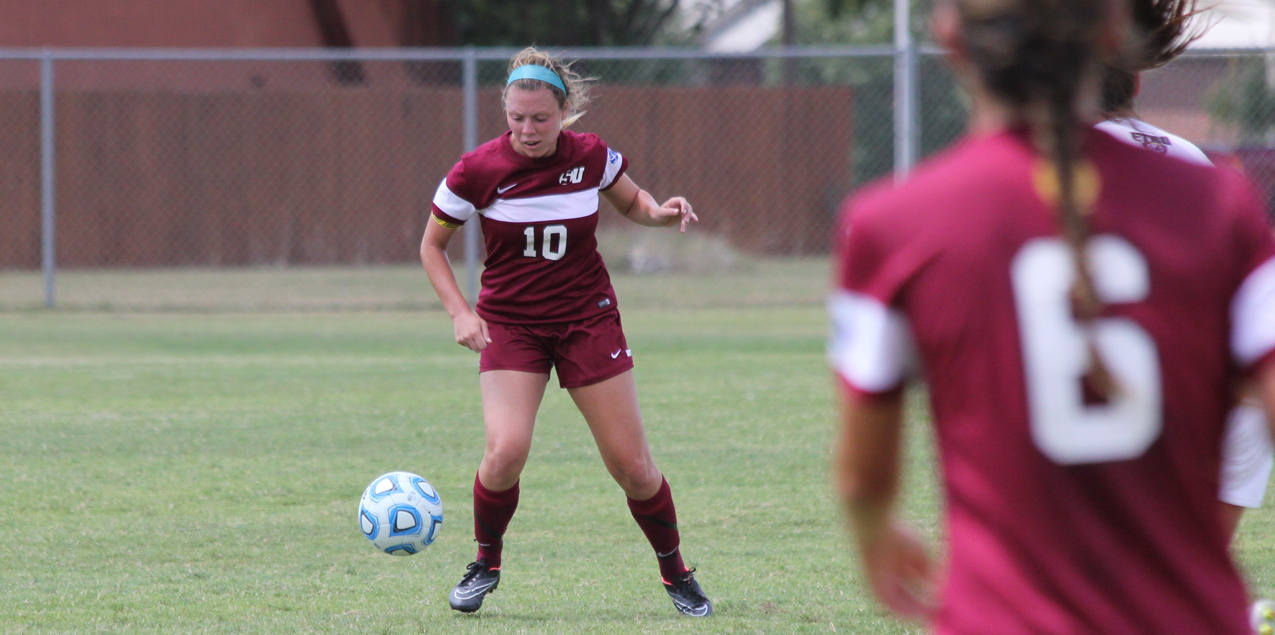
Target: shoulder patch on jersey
1153	142
612	156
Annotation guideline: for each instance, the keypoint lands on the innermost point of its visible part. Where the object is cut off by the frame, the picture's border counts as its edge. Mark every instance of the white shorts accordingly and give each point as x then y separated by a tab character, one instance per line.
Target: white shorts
1246	457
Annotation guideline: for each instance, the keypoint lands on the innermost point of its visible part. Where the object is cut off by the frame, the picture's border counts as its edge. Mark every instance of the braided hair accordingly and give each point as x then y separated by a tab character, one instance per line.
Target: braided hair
1037	56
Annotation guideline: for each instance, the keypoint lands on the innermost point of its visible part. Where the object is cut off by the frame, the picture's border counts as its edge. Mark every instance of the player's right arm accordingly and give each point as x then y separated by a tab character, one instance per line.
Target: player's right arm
1253	305
470	330
453	205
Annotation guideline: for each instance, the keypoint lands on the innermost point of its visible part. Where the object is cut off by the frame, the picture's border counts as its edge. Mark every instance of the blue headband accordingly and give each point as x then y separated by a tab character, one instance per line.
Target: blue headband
534	71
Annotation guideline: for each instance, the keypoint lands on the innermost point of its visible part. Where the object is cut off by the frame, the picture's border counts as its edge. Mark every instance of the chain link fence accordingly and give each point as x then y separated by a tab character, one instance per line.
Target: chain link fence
252	180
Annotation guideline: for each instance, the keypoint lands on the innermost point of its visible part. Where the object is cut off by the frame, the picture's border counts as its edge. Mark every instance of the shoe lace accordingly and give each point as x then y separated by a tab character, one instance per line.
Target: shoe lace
471	571
683	583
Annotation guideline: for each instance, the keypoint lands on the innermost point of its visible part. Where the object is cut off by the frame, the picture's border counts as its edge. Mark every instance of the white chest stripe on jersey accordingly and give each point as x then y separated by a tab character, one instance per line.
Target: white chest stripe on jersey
1253	315
871	344
554	207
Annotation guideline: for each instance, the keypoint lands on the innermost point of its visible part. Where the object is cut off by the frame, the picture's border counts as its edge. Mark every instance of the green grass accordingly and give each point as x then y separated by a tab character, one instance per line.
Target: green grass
751	282
178	473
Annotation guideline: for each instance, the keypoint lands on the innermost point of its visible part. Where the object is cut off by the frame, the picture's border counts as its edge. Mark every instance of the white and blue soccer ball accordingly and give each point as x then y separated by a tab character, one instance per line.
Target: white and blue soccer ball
400	513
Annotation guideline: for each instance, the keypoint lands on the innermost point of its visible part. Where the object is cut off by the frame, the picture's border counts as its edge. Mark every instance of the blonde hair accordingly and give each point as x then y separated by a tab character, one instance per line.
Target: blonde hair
579	88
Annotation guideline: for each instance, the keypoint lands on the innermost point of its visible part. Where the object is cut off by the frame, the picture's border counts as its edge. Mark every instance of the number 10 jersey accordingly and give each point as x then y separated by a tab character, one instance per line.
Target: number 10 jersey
539	219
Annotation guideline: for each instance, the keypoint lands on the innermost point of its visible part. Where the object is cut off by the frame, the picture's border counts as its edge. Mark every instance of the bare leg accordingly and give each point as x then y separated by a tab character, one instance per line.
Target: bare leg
610	407
510	401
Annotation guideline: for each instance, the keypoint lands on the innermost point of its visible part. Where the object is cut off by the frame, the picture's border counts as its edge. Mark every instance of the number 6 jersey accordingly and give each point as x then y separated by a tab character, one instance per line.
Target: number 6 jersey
1066	514
539	217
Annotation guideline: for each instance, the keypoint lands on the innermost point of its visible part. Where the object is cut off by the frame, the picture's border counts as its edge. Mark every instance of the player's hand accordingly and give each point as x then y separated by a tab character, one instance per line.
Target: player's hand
677	209
471	331
900	572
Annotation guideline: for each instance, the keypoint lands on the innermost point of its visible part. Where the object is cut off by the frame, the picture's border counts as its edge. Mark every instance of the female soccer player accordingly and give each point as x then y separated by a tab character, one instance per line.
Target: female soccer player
547	302
1248	454
1079	308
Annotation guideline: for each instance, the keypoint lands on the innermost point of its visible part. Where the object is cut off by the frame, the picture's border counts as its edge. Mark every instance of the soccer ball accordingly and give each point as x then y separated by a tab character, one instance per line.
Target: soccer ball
1262	617
400	513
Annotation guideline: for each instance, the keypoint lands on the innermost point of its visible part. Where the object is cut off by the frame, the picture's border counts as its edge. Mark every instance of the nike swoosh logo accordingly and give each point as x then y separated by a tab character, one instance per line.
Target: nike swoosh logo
690	610
615	354
475	593
502	190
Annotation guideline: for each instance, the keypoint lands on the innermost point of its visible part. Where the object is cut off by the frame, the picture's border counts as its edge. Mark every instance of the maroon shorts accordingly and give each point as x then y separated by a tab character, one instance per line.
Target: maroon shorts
584	352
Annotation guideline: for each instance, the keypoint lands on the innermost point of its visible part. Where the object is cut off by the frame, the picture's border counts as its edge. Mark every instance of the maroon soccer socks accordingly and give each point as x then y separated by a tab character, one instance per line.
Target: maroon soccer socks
492	511
658	520
656	516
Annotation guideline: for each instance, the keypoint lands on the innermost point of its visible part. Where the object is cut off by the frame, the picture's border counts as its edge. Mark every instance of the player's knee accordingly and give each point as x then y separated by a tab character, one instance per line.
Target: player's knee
636	476
504	462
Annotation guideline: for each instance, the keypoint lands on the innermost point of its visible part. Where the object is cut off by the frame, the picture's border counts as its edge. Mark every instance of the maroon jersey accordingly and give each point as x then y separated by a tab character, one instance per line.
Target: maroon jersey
1066	516
539	218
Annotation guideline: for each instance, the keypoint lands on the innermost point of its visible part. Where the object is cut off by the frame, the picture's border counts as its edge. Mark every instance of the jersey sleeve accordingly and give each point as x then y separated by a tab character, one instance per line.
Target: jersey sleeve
870	346
1253	318
453	200
615	166
1142	134
1253	305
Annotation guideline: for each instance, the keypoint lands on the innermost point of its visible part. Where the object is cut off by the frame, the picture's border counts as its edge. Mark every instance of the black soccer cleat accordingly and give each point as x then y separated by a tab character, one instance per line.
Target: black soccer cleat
688	597
468	596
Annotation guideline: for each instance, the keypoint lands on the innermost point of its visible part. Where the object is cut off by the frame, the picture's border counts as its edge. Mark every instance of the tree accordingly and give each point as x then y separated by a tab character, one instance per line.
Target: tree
562	22
836	8
872	22
1245	98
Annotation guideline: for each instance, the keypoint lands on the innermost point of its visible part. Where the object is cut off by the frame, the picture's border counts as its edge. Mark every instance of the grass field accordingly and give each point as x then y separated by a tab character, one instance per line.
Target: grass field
785	282
199	473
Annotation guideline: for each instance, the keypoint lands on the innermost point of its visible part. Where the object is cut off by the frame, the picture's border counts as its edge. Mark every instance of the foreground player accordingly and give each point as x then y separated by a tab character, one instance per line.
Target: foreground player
1080	308
547	302
1247	453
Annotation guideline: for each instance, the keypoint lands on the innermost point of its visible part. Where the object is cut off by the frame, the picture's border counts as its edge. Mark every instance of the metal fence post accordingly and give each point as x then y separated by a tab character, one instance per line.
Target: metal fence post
905	82
470	73
47	209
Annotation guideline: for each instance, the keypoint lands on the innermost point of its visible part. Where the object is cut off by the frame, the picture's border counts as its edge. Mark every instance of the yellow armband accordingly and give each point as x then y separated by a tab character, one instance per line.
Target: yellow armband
444	223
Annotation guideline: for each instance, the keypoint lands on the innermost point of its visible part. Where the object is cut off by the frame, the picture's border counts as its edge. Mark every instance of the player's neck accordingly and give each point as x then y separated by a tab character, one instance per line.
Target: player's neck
990	117
989	114
1121	113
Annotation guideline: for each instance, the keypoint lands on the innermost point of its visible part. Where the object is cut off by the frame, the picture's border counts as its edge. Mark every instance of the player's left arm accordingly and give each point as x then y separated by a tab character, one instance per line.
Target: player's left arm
640	207
1264	386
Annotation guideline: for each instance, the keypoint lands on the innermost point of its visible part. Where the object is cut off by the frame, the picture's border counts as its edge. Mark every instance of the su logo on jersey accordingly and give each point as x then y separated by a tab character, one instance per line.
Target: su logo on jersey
575	175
